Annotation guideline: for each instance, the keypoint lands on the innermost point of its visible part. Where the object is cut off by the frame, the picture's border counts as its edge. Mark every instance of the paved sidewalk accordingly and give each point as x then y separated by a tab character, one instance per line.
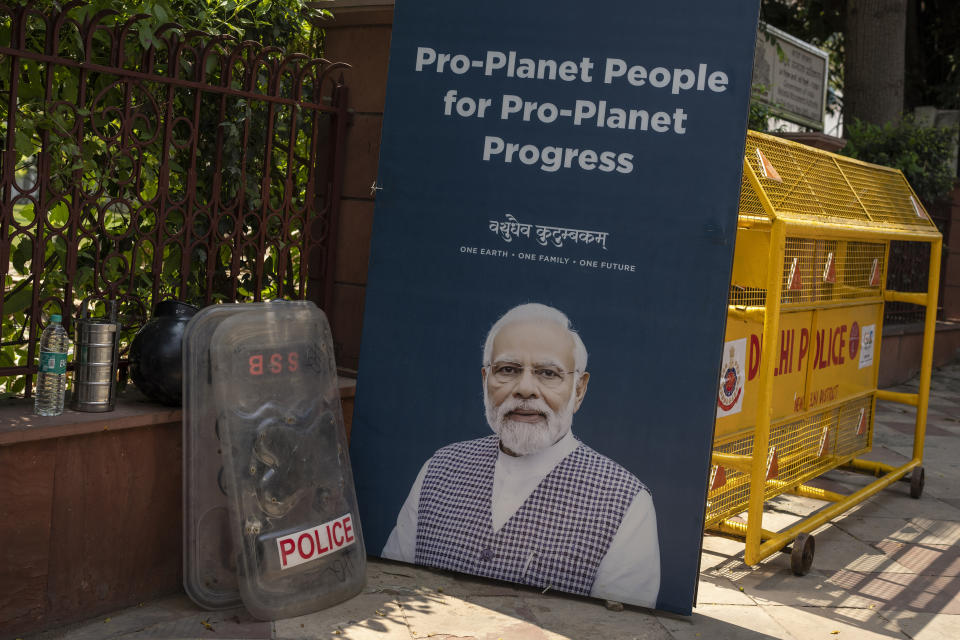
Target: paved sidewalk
887	569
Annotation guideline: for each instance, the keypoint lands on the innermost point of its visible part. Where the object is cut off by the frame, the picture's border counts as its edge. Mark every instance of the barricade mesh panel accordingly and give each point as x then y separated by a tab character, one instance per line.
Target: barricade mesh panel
804	449
822	271
749	202
825	271
885	195
855	430
747	296
844	199
805	182
858	266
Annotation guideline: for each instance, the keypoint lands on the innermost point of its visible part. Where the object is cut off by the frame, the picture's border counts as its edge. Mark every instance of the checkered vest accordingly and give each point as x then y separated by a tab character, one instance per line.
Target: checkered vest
556	539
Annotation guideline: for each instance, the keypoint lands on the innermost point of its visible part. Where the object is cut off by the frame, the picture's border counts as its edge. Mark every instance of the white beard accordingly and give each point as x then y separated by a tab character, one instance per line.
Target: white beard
523	438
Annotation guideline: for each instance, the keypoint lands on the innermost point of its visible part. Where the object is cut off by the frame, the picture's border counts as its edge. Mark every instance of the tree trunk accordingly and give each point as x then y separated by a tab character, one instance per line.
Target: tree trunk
875	44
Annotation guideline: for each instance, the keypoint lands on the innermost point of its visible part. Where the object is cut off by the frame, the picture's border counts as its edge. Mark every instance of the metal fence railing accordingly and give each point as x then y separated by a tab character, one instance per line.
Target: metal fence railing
195	168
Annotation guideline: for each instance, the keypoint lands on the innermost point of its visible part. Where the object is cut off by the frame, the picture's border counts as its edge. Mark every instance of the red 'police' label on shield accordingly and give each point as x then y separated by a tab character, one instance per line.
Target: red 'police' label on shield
315	542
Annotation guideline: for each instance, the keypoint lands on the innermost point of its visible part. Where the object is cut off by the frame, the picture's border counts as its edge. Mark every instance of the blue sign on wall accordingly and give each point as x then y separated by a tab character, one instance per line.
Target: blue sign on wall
569	180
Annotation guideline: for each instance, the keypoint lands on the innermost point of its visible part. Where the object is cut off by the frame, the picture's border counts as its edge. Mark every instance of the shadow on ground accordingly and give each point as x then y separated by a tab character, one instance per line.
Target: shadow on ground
887	568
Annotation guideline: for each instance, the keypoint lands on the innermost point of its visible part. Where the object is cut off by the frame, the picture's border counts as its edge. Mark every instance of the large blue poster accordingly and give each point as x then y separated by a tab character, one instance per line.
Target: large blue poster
548	282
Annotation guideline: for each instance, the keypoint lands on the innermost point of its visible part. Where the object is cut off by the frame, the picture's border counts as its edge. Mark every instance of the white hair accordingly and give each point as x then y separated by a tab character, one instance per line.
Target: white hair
534	311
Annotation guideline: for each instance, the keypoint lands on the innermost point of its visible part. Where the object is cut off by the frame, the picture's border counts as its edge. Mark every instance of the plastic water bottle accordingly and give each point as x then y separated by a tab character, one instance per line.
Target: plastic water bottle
52	378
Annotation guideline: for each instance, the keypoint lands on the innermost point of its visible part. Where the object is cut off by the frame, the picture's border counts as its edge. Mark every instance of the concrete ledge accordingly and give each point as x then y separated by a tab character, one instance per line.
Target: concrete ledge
902	347
18	424
92	510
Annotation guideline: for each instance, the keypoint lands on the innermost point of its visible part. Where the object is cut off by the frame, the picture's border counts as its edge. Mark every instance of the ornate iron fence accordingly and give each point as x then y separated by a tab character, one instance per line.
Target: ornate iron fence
140	166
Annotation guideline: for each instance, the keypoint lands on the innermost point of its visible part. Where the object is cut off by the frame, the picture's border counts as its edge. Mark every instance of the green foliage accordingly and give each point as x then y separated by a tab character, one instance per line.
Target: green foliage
760	112
815	21
126	175
932	44
759	117
819	22
933	55
279	23
922	153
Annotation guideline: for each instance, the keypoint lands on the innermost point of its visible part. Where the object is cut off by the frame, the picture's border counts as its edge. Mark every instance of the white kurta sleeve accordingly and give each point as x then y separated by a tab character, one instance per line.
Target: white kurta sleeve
402	543
630	572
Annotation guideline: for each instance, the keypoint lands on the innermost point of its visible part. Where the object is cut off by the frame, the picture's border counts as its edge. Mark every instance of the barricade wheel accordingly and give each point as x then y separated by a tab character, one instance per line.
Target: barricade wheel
917	480
801	555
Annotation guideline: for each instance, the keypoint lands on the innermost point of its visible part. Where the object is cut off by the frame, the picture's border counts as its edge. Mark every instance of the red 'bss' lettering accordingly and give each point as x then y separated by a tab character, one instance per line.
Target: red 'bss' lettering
276	363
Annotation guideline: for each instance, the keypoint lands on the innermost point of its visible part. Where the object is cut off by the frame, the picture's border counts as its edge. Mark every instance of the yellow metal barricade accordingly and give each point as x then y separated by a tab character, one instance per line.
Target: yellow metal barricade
798	382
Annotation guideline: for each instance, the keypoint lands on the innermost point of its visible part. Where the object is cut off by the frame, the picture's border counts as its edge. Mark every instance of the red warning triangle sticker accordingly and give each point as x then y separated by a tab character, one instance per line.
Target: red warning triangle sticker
795	282
824	442
830	269
773	469
862	426
718	477
766	167
875	273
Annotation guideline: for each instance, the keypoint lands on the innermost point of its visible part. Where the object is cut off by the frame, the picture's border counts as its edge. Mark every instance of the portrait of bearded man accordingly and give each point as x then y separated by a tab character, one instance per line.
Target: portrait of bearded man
532	504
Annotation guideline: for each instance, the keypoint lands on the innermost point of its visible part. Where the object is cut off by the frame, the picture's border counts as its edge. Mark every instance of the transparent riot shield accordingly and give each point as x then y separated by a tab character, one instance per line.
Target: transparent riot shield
286	475
209	558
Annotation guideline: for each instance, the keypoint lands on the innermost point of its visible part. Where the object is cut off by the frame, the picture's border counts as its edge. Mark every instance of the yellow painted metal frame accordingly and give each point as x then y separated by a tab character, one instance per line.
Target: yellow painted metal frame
761	543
